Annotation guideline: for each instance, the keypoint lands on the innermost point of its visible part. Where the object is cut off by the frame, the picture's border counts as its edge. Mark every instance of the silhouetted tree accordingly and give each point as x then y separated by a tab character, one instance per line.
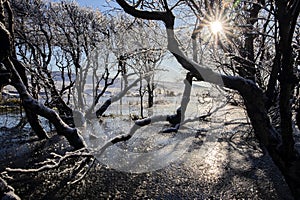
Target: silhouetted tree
32	107
279	143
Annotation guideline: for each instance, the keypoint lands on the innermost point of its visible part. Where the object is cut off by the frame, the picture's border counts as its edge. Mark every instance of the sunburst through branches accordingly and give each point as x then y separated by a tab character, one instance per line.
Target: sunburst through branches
216	27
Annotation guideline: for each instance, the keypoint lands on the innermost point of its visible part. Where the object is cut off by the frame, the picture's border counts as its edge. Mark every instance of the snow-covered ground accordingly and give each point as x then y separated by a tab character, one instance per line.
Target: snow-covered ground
203	160
218	158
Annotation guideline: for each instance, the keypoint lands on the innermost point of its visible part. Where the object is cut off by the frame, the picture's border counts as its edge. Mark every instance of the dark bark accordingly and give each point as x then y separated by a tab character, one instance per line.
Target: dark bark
141	93
247	88
108	102
31	106
199	72
248	51
271	88
5	42
286	77
107	83
253	96
4	78
7	39
37	108
35	123
7	192
103	108
298	118
150	91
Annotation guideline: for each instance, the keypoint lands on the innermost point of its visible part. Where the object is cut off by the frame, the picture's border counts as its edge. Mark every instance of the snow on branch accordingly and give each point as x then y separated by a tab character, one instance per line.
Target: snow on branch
53	163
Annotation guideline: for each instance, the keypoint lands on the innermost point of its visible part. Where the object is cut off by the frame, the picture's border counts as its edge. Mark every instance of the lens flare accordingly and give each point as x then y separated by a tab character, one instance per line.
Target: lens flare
216	27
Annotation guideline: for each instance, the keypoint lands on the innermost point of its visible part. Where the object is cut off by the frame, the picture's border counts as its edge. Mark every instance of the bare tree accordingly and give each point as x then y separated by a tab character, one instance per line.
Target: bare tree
19	80
36	48
254	98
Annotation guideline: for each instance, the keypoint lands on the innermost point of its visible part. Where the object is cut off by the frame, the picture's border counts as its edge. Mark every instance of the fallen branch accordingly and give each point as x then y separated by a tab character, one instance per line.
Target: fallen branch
54	163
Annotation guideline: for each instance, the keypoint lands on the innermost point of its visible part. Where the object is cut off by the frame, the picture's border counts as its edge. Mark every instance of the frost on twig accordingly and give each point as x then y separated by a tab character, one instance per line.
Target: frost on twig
53	163
78	171
175	120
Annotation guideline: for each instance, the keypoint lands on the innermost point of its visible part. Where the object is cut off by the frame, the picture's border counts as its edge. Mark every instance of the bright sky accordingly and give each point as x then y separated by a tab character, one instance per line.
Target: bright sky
174	70
93	3
102	5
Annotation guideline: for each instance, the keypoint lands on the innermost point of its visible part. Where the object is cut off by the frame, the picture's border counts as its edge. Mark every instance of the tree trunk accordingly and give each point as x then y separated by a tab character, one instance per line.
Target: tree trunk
252	95
141	93
35	123
37	108
150	90
287	78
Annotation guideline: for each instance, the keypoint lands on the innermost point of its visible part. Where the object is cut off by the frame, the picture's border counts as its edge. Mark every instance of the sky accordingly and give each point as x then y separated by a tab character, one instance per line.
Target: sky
174	70
92	3
97	4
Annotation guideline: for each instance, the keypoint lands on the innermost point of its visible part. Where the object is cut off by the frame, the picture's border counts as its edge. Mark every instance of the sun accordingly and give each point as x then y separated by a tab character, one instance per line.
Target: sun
216	27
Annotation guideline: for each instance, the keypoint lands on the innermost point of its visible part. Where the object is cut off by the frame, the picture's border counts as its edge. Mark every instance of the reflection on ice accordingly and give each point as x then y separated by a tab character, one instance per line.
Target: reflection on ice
125	160
148	150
